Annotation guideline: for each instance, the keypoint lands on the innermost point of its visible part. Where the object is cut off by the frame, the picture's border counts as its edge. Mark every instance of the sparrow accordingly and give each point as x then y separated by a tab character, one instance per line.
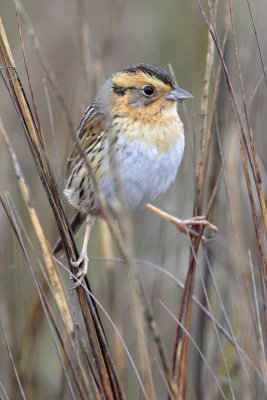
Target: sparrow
129	146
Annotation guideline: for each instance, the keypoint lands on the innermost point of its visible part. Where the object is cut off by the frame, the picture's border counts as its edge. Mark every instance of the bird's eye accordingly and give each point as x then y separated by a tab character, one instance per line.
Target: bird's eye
148	90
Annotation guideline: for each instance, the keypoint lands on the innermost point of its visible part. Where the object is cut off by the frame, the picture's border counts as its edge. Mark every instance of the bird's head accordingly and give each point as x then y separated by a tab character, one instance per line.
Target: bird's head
143	91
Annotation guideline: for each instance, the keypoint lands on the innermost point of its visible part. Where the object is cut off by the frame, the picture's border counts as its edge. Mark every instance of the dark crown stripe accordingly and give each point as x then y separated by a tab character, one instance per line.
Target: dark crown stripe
151	70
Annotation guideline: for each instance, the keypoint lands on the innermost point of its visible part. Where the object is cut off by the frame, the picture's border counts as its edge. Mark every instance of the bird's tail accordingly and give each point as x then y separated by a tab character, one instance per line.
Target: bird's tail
75	224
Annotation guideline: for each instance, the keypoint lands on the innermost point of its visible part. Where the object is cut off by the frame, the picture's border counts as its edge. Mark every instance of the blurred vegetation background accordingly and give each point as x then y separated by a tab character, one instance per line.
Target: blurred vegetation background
85	41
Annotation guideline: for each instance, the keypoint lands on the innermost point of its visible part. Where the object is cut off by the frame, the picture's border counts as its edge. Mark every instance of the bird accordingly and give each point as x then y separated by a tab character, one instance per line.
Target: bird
129	146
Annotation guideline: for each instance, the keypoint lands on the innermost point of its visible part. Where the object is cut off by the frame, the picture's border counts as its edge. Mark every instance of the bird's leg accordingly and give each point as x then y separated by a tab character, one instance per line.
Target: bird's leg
182	225
83	260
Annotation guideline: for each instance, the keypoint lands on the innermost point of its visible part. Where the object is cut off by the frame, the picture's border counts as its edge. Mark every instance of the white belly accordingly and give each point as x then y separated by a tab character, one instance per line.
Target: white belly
145	175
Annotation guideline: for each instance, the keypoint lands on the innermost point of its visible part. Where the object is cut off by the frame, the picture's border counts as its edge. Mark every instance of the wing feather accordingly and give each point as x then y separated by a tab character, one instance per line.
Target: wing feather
90	131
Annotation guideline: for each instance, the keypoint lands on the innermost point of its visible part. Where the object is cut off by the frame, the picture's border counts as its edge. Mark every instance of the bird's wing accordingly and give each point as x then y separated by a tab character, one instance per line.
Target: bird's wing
90	131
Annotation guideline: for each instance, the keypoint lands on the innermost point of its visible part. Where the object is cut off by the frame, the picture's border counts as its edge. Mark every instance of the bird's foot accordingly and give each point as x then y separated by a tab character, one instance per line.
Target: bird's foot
183	225
82	264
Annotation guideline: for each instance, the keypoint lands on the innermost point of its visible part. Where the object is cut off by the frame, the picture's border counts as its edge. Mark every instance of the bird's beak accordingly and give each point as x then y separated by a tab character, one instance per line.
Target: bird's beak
178	94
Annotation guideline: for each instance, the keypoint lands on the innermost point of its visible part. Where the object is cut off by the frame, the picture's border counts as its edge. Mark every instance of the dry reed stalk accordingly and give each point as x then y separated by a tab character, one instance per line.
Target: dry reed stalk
95	333
181	344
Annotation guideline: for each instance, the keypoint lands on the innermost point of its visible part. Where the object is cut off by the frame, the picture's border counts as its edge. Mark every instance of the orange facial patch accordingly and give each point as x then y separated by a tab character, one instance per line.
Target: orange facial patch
125	82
